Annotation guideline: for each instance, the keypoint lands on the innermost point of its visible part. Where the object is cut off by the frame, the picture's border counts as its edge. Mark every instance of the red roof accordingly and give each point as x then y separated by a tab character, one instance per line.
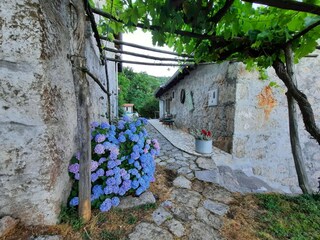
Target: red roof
128	105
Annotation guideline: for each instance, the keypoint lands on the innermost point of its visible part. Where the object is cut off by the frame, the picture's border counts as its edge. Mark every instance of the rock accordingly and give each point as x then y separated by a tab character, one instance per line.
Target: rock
184	213
201	231
209	218
251	184
190	176
186	197
175	227
160	215
167	204
7	224
208	176
217	194
182	182
130	202
147	231
47	237
206	163
197	186
184	170
215	207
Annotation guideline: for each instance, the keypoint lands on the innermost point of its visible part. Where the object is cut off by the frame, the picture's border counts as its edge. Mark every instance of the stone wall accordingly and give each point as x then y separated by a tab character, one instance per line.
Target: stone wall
218	119
38	115
261	144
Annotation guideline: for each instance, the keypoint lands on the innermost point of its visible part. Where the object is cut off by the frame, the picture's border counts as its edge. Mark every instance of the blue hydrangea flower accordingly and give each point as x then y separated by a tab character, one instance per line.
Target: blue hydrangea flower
74	202
94	177
122	138
121	124
106	205
111	164
100	172
105	125
115	201
111	181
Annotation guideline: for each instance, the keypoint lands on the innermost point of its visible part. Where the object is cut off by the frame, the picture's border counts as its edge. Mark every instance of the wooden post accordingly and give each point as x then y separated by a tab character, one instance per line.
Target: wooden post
83	117
293	127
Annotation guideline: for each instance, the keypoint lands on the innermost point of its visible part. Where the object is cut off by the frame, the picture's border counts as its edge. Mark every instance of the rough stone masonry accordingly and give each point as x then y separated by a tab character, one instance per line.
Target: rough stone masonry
38	114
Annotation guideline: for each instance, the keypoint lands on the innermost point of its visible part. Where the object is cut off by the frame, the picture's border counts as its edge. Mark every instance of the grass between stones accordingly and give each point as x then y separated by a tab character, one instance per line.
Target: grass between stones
273	216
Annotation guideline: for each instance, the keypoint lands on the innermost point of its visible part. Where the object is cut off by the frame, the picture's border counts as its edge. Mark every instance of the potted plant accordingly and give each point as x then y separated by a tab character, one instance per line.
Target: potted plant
203	141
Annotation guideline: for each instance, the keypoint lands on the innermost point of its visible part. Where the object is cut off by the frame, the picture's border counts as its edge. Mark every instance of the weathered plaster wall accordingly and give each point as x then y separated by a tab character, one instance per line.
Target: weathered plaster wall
261	138
38	115
218	119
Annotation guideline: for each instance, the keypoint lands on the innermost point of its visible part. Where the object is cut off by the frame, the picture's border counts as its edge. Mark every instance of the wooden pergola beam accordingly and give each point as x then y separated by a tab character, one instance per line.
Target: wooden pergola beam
156	64
146	56
116	41
289	5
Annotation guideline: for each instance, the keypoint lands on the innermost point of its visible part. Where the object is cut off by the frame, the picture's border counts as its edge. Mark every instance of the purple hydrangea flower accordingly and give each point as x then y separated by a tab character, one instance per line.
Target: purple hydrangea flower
109	173
102	160
77	156
77	176
100	138
74	168
94	124
94	165
99	149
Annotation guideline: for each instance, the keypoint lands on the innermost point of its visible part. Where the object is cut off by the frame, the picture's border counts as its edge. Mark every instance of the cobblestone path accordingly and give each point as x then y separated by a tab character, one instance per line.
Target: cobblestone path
194	209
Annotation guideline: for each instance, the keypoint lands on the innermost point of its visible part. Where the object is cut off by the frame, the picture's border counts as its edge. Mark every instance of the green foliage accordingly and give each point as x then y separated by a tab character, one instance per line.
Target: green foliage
290	217
70	216
258	33
146	207
110	235
139	88
131	219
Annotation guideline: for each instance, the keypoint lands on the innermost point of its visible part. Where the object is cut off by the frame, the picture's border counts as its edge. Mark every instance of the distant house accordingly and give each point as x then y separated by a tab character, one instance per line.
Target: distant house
248	118
128	107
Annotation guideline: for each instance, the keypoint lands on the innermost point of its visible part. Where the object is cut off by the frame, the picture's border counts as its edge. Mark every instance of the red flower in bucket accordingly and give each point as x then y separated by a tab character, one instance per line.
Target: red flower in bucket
201	134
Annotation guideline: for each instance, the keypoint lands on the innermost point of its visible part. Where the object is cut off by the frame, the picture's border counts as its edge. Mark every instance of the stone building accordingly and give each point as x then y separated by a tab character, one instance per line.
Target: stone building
248	118
41	46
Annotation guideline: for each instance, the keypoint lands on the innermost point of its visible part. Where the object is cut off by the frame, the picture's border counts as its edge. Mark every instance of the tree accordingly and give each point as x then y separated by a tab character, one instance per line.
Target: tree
138	88
221	30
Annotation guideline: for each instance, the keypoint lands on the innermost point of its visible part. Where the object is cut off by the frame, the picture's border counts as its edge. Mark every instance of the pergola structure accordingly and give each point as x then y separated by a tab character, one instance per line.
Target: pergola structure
226	48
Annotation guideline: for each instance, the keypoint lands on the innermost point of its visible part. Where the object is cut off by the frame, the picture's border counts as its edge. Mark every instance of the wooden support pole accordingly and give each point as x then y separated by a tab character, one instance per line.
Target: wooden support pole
294	130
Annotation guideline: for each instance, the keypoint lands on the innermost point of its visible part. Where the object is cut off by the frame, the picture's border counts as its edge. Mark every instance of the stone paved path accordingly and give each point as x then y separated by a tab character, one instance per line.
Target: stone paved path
194	209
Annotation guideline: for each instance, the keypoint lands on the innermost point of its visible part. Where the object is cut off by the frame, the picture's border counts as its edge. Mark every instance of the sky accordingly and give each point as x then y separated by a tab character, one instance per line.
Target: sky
145	39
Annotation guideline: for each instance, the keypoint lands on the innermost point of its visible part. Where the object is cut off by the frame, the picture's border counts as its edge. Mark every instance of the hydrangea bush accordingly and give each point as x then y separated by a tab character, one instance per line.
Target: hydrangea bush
122	162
